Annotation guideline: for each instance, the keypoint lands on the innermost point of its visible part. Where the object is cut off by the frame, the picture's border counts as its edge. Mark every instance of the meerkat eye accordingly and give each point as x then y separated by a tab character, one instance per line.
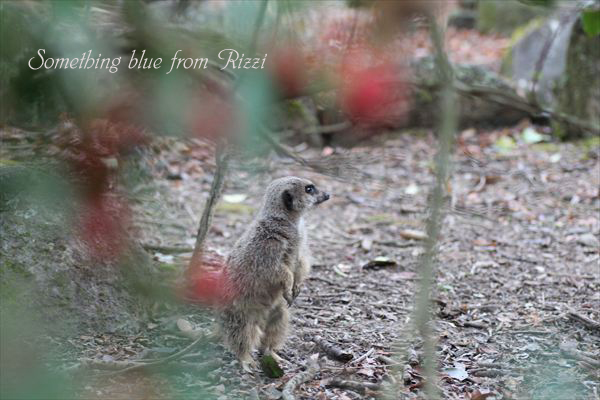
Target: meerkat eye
310	189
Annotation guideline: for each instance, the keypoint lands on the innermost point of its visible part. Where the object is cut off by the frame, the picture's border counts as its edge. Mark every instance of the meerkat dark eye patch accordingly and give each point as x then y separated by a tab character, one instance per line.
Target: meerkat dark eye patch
310	189
288	200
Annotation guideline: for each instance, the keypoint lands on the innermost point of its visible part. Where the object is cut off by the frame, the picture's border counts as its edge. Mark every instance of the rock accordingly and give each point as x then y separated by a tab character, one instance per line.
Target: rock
548	40
565	61
589	240
474	110
577	91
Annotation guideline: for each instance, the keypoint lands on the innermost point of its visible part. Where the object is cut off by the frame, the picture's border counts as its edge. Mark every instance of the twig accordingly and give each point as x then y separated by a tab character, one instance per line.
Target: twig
359	359
475	324
341	169
332	351
488	372
106	365
386	360
167	249
358	387
216	188
575	354
165	360
590	323
529	332
320	278
311	370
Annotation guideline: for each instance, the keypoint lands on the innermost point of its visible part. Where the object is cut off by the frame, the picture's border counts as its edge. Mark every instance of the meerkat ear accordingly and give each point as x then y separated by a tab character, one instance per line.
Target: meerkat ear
288	200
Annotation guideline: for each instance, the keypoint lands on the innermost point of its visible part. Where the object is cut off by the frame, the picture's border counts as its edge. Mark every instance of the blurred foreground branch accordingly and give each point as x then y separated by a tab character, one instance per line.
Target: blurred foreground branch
446	132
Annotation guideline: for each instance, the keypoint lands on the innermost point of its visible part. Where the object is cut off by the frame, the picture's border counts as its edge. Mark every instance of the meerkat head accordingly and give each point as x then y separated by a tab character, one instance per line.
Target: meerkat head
292	195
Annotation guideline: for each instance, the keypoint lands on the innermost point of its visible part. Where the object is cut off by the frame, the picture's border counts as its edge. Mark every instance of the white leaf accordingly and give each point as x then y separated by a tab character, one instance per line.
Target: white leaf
184	325
234	198
458	372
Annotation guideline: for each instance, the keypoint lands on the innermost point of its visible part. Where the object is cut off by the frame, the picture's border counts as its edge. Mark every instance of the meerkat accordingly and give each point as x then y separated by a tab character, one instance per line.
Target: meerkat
266	267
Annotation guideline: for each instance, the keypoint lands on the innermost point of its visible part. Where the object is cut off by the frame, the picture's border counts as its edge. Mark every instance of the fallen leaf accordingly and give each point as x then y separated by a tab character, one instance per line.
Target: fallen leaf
505	144
588	240
413	234
366	244
458	372
184	325
379	262
164	258
531	136
234	198
403	276
481	395
341	269
365	371
411	189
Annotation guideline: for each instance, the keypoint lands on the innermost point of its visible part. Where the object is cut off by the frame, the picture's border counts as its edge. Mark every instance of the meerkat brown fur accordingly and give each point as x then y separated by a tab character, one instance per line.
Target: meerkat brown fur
267	266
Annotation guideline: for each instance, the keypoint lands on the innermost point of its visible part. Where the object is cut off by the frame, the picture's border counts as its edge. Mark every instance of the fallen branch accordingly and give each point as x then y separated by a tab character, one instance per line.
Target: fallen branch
590	323
358	387
311	370
335	167
575	354
332	351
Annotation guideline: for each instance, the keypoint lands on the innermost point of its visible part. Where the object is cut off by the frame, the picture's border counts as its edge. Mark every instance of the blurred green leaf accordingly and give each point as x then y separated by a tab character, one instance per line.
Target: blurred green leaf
270	367
591	22
505	144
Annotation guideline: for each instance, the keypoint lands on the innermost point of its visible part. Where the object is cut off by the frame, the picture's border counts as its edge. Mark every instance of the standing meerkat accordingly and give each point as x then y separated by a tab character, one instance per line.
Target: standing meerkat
266	269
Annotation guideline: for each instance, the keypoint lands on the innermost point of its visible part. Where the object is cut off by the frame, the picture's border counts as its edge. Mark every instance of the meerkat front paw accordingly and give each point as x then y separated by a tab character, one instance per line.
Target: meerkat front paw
289	297
295	291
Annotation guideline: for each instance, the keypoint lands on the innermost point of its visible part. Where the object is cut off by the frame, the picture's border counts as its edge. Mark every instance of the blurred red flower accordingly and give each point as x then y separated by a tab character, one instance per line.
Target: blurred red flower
374	94
208	283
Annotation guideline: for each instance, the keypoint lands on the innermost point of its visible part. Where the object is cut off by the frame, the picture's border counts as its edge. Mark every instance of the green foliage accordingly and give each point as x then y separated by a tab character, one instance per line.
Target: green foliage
504	16
541	3
359	3
270	367
591	22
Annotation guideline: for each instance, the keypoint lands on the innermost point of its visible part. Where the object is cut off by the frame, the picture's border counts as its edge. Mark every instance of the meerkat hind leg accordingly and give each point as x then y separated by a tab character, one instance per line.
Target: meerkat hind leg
275	330
243	334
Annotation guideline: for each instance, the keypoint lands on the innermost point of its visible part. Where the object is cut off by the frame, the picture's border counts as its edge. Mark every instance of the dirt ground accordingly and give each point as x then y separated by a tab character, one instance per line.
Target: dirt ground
518	268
